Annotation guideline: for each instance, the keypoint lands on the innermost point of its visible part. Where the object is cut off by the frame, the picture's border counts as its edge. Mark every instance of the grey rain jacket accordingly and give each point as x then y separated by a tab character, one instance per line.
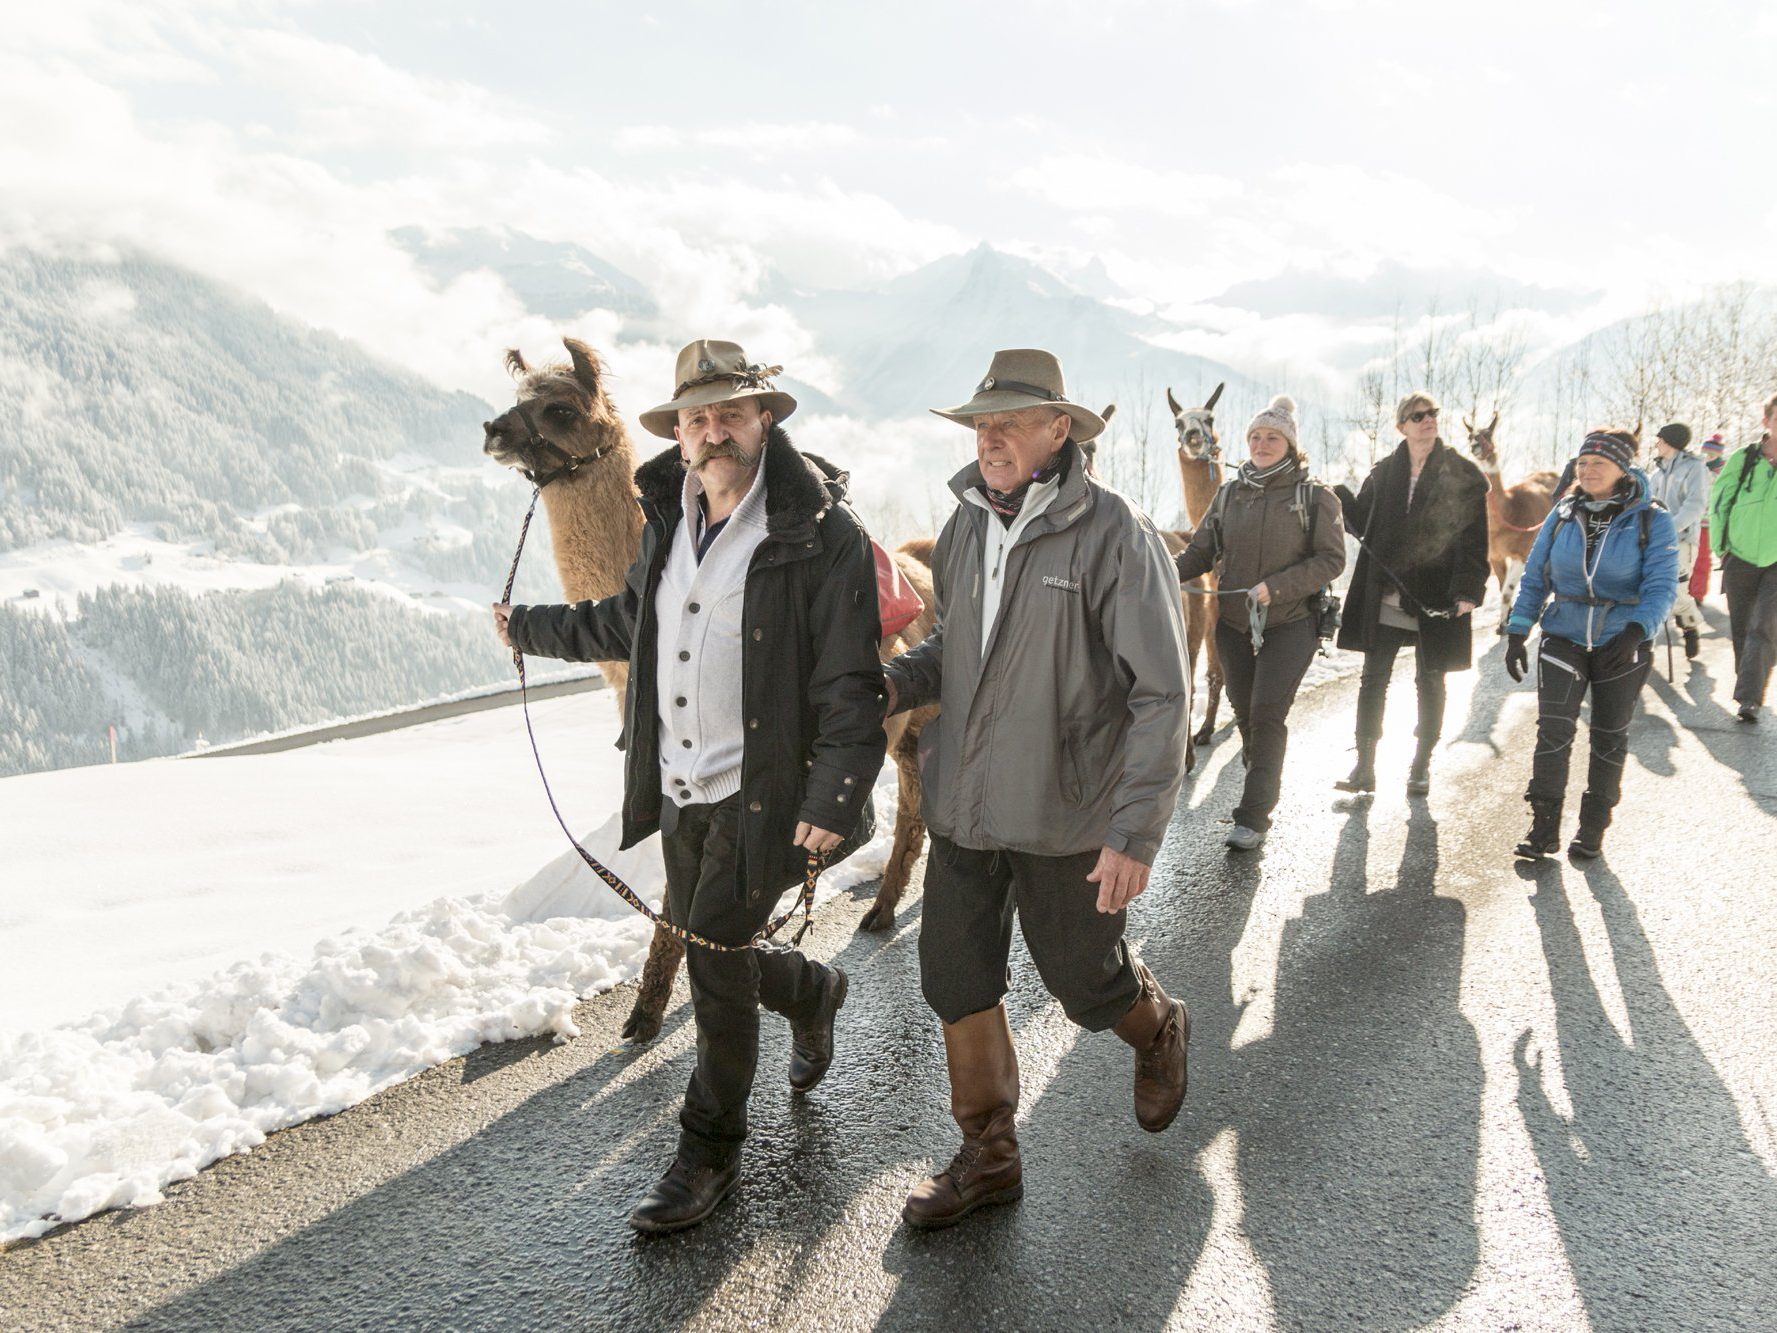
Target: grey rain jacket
1681	483
1068	732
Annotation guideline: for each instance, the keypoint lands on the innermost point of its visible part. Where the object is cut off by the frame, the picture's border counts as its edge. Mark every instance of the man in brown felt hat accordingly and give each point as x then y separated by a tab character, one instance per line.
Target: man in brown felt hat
1052	771
754	724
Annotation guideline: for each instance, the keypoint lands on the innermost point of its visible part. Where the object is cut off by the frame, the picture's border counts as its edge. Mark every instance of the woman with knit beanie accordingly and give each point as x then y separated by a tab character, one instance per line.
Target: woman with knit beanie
1421	572
1601	577
1276	541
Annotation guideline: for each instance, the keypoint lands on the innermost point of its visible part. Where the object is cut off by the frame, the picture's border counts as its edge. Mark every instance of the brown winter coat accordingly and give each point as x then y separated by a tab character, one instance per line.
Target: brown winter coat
1262	540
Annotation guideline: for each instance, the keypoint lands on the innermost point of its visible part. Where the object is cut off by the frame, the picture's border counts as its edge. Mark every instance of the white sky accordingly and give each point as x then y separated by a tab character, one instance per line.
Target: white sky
1624	149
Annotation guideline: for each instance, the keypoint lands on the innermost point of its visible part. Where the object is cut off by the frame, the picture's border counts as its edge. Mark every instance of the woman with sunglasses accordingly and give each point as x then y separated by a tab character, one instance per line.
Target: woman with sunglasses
1421	524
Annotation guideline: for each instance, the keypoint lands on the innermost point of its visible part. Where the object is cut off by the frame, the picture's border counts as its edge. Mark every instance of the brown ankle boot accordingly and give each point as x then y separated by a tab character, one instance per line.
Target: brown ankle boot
1160	1030
984	1100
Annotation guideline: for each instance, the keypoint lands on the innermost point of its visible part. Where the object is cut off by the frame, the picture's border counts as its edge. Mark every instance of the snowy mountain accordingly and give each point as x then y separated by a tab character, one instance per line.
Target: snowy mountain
168	440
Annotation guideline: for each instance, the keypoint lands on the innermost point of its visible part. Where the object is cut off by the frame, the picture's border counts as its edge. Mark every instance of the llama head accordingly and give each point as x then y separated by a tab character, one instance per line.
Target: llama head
1196	427
1480	439
563	412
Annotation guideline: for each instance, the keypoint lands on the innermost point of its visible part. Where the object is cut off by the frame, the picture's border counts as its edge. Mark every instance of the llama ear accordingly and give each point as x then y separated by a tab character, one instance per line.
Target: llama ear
1636	433
515	365
1110	410
1468	425
587	370
1172	402
1214	398
1494	424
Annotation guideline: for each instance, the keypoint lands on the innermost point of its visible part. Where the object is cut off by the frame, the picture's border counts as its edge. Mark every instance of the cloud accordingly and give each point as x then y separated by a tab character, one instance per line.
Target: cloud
1095	185
755	139
347	99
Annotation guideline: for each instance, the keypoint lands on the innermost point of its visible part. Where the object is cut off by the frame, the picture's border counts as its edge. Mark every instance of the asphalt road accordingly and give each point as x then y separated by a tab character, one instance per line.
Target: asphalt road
1428	1086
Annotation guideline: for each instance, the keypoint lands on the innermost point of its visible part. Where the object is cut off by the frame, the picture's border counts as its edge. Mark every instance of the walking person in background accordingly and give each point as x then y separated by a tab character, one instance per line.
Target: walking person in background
1712	451
1422	569
1680	481
1604	570
753	730
1743	518
1273	532
1052	770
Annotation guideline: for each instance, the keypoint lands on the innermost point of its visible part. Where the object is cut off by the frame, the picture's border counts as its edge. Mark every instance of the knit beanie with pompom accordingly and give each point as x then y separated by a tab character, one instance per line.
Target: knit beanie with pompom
1280	416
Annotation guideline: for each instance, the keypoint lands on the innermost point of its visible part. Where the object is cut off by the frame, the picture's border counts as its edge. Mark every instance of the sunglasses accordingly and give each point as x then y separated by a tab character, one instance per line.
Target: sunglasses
1417	417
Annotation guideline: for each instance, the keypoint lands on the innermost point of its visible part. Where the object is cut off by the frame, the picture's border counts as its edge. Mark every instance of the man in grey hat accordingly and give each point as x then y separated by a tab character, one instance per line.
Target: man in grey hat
1052	771
1680	481
753	729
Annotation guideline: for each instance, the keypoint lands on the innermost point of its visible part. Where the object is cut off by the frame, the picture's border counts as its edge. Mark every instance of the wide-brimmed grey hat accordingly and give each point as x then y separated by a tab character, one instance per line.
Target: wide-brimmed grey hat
1023	377
708	372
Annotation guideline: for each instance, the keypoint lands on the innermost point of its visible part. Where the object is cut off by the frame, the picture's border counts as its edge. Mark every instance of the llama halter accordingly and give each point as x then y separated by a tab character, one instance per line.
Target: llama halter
540	477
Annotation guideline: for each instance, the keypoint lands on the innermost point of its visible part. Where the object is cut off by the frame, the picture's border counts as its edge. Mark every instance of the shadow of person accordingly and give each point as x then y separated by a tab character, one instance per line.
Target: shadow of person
1360	1200
1668	1218
1487	699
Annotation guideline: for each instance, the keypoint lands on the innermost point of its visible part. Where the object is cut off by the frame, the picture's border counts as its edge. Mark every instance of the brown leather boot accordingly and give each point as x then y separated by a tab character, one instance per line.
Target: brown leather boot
1160	1030
984	1100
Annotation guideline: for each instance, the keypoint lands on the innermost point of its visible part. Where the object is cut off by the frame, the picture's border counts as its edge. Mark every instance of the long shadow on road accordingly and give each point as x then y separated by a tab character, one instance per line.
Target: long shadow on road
1668	1217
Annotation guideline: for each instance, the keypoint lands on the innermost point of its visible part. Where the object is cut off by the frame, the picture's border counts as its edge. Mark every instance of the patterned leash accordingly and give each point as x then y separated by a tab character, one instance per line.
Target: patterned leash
804	902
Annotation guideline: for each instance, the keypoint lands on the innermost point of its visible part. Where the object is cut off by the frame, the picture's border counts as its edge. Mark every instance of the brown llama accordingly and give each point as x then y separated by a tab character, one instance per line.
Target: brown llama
1200	468
586	464
1514	513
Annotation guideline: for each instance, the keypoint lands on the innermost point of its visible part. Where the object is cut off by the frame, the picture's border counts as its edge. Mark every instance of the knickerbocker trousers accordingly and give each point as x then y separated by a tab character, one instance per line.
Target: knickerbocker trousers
705	885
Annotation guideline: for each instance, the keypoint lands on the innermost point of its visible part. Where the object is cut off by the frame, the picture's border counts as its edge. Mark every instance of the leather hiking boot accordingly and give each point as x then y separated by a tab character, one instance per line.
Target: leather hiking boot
1159	1028
1588	842
986	1170
811	1047
1545	831
984	1099
1693	644
684	1196
1363	774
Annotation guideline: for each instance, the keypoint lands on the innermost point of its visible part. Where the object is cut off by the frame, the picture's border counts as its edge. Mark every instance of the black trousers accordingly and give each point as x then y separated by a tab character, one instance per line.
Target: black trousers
1752	620
705	884
1565	674
965	934
1372	691
1261	686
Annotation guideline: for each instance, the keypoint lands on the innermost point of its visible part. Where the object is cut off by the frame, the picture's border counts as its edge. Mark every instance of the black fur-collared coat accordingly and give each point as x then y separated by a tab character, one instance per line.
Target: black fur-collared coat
1434	550
811	677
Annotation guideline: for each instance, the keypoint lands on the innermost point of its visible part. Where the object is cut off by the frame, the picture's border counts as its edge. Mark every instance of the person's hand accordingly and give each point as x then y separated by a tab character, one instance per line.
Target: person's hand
1517	658
1346	498
1465	608
816	839
1618	655
1120	880
1262	594
503	622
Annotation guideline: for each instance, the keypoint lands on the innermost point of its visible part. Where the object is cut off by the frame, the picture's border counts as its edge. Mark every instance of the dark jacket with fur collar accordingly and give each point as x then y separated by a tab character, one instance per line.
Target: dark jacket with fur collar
1436	547
811	678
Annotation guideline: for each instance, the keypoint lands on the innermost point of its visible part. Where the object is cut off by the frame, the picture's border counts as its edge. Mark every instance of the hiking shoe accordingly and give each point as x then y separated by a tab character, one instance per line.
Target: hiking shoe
1693	644
811	1048
1748	712
1243	839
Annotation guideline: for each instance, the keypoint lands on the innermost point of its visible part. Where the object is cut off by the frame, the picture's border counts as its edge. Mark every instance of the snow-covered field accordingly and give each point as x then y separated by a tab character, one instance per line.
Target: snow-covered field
202	951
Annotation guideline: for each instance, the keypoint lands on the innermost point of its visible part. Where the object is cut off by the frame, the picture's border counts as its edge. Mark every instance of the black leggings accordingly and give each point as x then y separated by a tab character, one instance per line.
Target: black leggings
1262	686
1564	673
1372	692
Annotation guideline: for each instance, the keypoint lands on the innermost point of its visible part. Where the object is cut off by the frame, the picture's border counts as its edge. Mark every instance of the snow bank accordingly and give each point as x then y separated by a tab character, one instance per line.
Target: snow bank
106	1112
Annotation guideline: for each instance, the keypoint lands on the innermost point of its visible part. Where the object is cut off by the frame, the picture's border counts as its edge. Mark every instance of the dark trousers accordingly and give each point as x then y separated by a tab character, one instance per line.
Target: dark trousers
1372	690
1262	686
705	882
1752	620
965	934
1565	673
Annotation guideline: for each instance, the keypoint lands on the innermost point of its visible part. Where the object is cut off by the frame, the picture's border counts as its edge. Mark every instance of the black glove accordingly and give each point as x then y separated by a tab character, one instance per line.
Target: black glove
1517	659
1617	656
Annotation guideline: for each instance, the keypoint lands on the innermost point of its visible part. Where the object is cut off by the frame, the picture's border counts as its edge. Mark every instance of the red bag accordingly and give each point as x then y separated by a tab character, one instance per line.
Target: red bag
897	602
1699	587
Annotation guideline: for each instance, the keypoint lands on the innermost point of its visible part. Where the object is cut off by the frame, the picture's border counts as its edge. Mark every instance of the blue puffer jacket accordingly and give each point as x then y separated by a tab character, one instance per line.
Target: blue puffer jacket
1626	582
